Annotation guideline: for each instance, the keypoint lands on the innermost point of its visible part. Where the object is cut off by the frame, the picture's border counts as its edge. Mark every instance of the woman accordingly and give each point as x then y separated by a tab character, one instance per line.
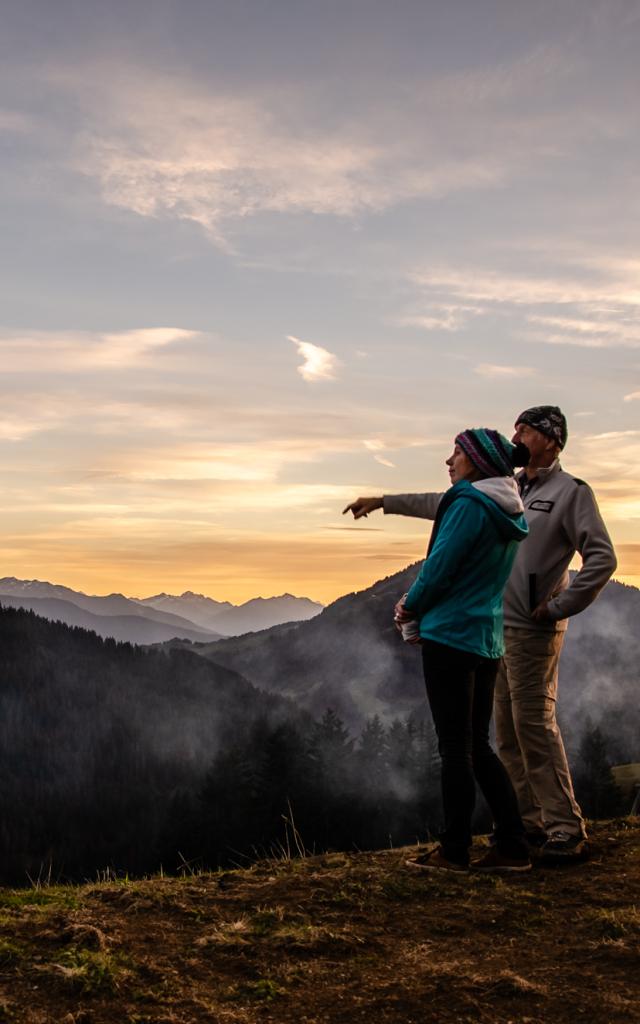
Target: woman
457	600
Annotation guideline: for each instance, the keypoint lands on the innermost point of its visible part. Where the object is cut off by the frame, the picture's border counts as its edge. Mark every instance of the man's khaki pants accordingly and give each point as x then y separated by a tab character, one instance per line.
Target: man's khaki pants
527	735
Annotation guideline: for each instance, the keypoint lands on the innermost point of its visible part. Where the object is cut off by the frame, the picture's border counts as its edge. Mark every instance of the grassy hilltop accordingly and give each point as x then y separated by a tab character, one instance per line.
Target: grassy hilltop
331	939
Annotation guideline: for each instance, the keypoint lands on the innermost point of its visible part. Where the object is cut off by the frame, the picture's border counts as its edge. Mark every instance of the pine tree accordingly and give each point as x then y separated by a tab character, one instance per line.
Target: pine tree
597	790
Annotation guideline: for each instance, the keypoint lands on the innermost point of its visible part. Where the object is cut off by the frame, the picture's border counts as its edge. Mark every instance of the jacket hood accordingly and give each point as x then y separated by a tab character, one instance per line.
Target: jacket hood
500	497
503	490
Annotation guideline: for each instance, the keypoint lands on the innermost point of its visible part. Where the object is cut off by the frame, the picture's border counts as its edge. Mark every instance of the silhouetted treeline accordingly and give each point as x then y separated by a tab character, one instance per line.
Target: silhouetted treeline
128	759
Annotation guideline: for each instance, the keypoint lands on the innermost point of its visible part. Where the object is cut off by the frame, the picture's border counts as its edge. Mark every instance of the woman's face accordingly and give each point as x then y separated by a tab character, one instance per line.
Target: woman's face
460	466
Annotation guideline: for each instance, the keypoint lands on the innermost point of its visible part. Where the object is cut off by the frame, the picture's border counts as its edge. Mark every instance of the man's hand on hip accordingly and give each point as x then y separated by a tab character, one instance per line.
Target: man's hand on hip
542	613
361	507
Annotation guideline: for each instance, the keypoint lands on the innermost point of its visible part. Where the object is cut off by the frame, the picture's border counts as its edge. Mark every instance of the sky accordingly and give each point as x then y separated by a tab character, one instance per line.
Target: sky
260	257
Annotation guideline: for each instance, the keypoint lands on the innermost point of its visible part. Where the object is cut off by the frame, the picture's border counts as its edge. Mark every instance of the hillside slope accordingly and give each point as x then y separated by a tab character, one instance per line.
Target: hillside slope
350	658
333	940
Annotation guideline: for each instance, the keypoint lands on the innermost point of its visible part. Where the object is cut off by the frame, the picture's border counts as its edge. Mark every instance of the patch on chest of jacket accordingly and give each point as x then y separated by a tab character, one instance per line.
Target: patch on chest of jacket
541	506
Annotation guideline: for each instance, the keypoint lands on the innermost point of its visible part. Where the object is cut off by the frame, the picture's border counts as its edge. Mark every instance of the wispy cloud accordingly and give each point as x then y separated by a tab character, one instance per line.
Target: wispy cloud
22	416
15	122
168	146
319	363
591	330
589	303
441	316
613	435
494	372
632	396
80	351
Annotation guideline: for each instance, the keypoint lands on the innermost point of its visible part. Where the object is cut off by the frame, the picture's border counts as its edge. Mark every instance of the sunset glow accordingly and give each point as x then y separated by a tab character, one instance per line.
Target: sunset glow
256	267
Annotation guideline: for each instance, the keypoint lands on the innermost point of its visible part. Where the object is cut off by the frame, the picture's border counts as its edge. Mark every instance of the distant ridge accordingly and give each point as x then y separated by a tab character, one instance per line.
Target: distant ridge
156	619
113	616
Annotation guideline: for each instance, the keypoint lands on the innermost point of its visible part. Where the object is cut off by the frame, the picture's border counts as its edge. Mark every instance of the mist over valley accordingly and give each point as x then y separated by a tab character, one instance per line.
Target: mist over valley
131	758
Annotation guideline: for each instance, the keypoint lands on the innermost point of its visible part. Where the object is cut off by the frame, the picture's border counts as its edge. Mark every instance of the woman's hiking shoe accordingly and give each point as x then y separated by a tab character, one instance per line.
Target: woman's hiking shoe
435	860
562	846
535	839
497	863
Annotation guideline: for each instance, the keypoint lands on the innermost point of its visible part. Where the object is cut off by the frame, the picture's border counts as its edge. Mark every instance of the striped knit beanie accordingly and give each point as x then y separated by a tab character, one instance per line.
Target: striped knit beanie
490	451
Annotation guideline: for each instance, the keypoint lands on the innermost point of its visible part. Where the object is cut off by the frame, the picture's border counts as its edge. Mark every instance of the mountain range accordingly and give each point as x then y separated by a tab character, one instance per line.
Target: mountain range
233	620
349	656
163	617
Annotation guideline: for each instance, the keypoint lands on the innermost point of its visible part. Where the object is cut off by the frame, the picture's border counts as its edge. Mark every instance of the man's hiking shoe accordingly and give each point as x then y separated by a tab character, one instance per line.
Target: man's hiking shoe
495	862
436	861
562	847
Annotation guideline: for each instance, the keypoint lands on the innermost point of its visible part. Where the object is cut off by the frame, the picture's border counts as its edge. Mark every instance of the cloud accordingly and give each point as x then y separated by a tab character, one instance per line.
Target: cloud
503	372
442	317
15	122
167	145
80	351
376	445
29	413
319	363
632	396
591	331
589	303
613	435
500	288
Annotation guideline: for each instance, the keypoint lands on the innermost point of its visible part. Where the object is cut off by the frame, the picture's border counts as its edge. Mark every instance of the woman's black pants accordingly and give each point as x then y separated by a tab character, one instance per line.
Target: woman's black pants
460	689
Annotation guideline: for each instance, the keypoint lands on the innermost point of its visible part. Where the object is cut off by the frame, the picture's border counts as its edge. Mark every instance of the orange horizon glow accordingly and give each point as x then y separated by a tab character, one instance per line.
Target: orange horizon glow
334	575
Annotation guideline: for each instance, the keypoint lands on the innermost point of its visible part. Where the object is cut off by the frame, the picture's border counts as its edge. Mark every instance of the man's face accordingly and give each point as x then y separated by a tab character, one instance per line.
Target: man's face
537	443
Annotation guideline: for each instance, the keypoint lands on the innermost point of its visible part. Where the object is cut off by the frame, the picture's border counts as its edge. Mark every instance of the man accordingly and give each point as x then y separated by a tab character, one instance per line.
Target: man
563	518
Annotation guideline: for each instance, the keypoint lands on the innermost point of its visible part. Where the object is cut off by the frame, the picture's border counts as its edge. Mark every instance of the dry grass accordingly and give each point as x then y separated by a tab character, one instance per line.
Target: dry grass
329	940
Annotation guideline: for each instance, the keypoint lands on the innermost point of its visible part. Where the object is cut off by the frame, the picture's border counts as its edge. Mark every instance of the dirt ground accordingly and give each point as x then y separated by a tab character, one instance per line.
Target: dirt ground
331	939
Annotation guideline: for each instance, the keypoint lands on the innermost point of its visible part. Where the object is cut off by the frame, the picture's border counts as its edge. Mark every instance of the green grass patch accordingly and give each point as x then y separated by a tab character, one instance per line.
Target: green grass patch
267	920
10	953
93	971
617	924
53	897
263	990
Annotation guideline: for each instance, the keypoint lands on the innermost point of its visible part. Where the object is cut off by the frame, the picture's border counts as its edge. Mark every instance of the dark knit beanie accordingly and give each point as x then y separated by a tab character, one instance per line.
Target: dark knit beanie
549	420
491	452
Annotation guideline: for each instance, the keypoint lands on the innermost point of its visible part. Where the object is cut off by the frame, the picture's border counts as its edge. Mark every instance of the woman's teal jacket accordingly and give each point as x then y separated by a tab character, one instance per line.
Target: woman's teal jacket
457	595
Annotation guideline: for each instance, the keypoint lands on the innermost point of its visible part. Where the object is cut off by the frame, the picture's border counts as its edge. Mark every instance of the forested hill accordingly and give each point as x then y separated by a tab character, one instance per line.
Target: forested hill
351	658
122	759
103	746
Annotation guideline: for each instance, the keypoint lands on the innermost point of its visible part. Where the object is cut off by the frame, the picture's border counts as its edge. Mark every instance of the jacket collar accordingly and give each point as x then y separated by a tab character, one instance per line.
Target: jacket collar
542	474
